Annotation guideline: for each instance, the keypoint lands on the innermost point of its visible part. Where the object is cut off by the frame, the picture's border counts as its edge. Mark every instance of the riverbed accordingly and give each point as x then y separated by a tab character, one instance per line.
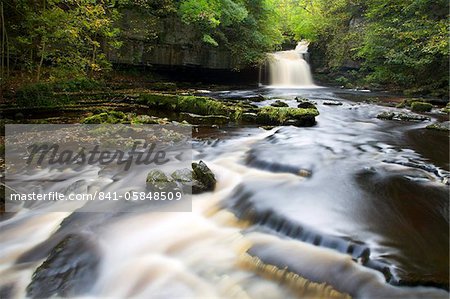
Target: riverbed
353	206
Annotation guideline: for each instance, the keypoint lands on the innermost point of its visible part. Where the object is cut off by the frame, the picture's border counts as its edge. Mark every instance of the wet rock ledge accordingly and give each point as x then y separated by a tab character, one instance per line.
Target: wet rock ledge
199	110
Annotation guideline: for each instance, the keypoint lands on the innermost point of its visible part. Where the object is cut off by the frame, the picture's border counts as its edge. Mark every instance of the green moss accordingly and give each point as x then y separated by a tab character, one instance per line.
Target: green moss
277	116
443	126
190	104
421	107
110	117
208	106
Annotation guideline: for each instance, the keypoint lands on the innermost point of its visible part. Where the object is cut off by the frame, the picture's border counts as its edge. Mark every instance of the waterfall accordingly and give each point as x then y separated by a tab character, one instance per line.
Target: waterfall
289	68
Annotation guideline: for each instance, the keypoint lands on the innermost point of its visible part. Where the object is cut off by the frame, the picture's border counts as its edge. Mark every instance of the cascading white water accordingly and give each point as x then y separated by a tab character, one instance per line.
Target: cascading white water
289	68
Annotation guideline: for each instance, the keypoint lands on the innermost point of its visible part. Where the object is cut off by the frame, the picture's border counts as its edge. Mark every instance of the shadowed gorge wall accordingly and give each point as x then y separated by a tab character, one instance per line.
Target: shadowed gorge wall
177	44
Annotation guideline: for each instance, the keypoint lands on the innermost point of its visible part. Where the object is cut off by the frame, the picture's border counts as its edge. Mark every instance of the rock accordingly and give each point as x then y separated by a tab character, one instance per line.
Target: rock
70	269
332	103
183	176
281	116
249	117
204	119
300	99
158	180
402	116
145	119
279	103
256	98
204	179
199	180
421	107
443	126
107	117
386	115
306	105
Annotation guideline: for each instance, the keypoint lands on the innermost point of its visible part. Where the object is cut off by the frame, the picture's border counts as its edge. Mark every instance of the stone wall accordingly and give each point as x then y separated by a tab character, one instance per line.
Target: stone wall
177	45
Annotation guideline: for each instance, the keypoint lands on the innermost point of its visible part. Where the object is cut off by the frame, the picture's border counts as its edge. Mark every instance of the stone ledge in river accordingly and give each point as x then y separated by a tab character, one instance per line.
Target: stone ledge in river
421	107
204	119
279	103
306	104
70	269
286	116
190	104
104	116
402	116
332	103
198	180
443	126
234	111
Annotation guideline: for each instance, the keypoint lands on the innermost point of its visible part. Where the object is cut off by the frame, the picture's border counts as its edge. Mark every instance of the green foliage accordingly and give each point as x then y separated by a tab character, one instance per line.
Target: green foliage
248	28
40	95
77	85
63	37
406	43
396	42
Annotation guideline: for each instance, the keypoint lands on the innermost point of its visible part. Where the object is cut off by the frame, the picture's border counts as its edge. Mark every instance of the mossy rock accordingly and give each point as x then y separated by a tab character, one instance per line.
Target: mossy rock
443	126
256	98
110	117
206	106
204	179
280	116
249	117
158	180
421	107
446	109
401	116
386	115
279	103
189	104
182	175
145	119
204	119
306	105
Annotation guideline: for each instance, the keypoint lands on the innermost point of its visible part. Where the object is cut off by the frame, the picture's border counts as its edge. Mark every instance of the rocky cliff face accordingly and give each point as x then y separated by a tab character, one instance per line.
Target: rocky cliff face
169	43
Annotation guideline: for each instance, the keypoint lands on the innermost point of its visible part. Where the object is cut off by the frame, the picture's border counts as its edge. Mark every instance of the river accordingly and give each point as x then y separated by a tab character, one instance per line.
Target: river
352	206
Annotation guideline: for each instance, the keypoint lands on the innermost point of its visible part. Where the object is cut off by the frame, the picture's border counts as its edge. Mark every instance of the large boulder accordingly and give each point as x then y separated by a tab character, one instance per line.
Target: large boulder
203	178
70	269
421	107
279	103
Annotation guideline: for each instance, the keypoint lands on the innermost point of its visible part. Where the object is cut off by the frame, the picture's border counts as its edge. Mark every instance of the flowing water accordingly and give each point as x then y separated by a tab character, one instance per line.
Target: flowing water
354	206
289	69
